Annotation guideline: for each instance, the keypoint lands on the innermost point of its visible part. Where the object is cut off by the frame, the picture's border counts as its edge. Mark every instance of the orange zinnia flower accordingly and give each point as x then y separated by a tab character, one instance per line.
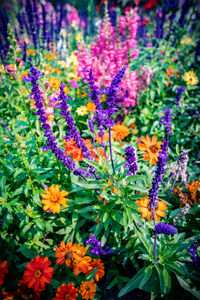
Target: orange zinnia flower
105	137
73	256
88	289
72	149
120	132
65	292
193	194
91	106
151	147
100	271
38	273
53	198
146	210
3	270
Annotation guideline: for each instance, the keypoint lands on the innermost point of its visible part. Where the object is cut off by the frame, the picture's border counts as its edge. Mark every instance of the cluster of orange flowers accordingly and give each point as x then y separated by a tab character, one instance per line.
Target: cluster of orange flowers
151	148
192	196
146	210
74	256
171	72
53	198
38	273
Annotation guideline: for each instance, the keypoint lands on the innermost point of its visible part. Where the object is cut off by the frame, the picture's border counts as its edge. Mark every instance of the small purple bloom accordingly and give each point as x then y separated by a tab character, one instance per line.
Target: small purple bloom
162	228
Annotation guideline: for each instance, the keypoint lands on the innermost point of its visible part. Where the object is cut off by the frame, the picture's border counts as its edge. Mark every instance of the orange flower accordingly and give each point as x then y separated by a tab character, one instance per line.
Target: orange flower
53	198
193	194
38	273
105	137
64	254
151	147
88	289
72	149
146	211
194	190
3	271
54	83
66	292
30	52
91	106
120	132
73	256
66	90
100	271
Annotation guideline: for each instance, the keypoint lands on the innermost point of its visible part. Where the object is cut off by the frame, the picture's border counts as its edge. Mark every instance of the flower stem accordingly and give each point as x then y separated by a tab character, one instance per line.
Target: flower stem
110	145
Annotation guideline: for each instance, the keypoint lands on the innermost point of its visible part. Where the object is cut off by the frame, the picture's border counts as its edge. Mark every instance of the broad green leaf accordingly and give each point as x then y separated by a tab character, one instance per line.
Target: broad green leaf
186	285
137	281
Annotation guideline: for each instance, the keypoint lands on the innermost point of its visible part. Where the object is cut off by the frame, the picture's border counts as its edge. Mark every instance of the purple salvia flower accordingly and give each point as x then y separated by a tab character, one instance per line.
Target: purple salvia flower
131	160
96	246
51	140
166	120
162	228
113	89
160	170
179	95
72	130
31	21
44	26
91	126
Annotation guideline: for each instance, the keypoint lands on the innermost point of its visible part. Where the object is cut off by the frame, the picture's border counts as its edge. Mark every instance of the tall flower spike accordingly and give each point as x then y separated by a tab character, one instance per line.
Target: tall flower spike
131	160
166	120
160	170
33	77
163	228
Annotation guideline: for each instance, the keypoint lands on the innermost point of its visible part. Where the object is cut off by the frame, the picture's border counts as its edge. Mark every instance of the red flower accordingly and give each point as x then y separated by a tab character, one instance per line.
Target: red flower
150	4
66	292
3	271
38	273
145	21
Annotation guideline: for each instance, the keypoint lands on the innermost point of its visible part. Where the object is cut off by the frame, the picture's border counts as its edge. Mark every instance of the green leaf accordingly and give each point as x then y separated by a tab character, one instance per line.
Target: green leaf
186	285
91	275
137	281
165	280
91	185
86	209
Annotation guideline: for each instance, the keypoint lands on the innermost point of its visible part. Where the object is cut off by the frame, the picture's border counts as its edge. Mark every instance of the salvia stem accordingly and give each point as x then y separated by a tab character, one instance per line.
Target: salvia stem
110	145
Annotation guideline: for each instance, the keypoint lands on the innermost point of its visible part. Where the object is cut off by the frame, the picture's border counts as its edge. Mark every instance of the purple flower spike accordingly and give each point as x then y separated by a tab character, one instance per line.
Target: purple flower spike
131	160
163	228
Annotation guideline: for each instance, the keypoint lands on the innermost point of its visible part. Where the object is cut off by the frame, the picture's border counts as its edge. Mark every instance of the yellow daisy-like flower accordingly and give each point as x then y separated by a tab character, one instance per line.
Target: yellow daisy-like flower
190	78
82	111
188	41
54	83
53	198
66	90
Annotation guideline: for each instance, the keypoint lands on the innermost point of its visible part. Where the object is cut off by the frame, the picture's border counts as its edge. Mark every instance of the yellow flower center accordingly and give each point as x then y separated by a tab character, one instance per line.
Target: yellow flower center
38	273
153	148
54	198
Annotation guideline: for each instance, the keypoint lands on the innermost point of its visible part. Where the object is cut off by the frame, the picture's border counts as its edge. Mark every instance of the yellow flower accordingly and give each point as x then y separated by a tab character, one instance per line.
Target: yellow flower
191	78
54	82
82	111
53	198
30	52
188	41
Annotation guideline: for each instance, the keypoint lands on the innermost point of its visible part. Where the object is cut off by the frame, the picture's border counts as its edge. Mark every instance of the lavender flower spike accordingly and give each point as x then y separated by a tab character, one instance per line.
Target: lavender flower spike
162	228
33	77
160	169
131	160
166	121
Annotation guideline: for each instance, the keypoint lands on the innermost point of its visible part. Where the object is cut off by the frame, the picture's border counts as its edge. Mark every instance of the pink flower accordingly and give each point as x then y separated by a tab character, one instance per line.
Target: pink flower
73	83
